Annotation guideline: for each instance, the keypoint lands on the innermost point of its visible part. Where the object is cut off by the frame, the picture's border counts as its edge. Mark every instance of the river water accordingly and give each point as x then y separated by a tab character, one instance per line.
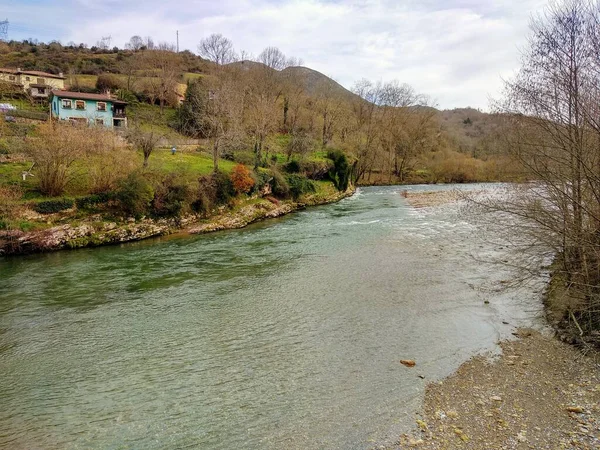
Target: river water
287	334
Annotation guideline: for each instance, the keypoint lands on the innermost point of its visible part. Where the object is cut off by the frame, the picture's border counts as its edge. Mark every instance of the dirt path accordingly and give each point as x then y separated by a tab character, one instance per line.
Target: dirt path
540	394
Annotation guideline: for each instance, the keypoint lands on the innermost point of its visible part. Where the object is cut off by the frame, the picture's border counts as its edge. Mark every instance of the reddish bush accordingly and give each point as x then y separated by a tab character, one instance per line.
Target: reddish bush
242	180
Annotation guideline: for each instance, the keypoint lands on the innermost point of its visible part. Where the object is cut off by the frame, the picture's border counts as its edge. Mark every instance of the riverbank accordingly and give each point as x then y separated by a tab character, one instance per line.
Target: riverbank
93	231
540	393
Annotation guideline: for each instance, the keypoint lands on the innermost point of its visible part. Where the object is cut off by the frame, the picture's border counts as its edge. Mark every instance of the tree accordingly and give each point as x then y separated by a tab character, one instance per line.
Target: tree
551	109
218	49
55	149
145	138
273	57
135	43
329	105
263	91
191	116
223	121
163	68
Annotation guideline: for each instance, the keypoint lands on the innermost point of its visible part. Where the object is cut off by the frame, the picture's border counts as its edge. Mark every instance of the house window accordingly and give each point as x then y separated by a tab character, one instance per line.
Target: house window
42	91
101	106
27	79
66	104
99	121
11	77
79	104
41	81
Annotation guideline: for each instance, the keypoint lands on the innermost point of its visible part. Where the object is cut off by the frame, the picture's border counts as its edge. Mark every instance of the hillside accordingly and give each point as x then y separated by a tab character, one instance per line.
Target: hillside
313	81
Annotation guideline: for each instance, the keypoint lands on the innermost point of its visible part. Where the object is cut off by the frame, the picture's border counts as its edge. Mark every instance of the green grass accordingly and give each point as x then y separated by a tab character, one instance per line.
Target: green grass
10	174
150	118
190	165
187	76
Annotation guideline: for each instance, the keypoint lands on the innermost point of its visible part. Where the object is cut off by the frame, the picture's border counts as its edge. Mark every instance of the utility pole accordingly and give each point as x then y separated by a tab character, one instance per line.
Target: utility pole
177	41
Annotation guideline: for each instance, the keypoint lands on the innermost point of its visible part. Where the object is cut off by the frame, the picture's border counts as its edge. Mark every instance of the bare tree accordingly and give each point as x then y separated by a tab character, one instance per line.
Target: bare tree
135	43
163	72
149	43
218	49
144	139
222	117
551	109
273	57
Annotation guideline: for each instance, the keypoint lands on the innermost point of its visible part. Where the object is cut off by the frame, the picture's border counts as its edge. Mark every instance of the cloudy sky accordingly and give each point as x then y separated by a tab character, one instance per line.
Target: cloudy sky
455	51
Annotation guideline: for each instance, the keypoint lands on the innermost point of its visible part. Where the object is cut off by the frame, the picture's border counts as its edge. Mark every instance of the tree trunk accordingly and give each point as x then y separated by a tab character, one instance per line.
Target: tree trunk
216	156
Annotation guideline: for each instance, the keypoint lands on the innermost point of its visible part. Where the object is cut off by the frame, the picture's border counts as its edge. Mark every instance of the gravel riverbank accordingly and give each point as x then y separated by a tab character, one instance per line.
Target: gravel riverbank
539	394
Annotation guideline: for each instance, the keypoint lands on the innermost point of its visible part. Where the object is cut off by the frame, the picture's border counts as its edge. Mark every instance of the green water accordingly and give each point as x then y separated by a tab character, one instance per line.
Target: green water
286	334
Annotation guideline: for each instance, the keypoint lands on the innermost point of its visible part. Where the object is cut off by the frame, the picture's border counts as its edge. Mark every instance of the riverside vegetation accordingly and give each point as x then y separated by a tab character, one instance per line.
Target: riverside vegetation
245	130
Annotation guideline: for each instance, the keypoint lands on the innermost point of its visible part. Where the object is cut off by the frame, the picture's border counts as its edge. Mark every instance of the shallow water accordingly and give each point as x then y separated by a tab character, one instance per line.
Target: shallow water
287	334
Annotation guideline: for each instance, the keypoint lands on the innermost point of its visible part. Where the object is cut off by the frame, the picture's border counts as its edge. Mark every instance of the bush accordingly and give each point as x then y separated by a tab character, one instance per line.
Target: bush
316	170
261	179
170	197
214	189
340	173
53	206
135	195
108	82
90	201
292	167
242	180
299	185
224	187
279	185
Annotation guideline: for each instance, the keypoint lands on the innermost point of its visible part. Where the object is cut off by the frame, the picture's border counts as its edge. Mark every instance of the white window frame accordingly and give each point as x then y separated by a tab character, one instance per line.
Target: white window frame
66	103
98	106
77	102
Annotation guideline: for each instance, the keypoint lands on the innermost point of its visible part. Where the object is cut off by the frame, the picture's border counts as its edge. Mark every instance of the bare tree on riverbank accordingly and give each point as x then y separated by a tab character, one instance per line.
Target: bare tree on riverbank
552	115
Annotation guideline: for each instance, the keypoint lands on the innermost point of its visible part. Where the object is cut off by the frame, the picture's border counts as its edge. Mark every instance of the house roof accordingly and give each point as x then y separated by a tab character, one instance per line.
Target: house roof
86	96
35	73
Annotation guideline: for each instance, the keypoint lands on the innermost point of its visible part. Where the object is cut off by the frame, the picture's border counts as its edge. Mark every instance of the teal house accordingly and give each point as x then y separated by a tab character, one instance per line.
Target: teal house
95	109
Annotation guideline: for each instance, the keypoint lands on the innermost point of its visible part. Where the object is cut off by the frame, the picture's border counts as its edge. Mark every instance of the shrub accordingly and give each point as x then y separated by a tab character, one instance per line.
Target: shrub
340	173
135	195
292	167
108	82
53	206
214	189
90	201
261	179
170	197
242	180
279	185
224	187
299	185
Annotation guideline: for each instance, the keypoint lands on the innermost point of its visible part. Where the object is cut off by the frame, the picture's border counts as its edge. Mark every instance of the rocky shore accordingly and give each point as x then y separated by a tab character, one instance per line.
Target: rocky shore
539	394
93	231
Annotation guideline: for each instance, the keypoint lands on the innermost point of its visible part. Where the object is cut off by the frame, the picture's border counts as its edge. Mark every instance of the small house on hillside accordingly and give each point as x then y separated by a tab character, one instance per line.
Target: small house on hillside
95	109
35	83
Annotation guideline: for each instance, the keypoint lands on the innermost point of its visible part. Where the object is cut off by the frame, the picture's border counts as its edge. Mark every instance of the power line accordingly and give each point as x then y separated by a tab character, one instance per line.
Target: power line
4	30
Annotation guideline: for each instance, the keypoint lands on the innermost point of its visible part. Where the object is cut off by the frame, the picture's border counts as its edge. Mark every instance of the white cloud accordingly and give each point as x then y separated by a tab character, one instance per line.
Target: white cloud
455	51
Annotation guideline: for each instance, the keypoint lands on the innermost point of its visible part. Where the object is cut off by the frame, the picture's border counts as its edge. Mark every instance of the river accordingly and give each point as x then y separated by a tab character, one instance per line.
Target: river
287	334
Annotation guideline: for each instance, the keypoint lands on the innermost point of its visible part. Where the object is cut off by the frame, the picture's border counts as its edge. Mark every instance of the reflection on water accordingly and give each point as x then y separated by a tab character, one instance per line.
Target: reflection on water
287	334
